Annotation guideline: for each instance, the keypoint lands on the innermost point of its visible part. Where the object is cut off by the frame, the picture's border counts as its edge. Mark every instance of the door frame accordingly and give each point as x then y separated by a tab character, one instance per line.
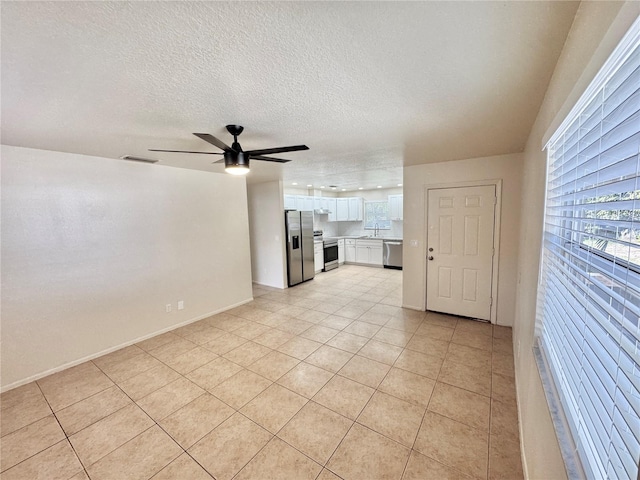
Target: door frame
497	183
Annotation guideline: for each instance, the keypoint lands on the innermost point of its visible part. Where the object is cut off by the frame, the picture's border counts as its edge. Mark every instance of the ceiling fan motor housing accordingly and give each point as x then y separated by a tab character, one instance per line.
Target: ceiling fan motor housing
235	159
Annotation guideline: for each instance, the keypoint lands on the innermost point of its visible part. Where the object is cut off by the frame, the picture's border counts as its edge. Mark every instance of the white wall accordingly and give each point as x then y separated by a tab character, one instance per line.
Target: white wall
329	229
266	227
93	249
597	28
417	178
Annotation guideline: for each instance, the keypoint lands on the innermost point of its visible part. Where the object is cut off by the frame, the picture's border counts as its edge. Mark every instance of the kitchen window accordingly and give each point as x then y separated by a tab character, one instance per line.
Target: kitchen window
376	214
588	328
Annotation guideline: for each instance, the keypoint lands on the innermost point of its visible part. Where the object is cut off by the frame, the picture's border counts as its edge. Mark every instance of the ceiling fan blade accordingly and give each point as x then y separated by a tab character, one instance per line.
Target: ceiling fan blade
268	159
185	151
213	140
267	151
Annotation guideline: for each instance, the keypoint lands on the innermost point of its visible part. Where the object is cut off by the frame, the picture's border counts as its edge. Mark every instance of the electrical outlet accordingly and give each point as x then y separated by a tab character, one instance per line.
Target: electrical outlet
180	304
168	308
414	243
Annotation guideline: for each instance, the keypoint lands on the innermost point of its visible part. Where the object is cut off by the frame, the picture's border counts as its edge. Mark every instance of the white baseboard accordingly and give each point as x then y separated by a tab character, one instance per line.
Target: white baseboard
258	284
523	456
412	307
73	363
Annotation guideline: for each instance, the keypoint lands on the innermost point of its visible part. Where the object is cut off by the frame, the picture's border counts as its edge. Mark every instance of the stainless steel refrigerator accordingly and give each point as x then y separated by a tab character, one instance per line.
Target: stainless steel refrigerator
299	235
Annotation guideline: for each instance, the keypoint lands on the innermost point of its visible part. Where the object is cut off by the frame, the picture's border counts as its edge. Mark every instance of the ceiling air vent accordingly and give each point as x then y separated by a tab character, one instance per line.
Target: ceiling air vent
138	159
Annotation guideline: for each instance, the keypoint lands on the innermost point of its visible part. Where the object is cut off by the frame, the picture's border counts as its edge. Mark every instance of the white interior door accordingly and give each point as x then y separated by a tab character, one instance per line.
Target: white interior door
460	250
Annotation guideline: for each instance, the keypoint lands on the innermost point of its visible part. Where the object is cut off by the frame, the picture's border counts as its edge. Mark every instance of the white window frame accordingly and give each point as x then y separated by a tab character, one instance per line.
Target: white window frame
373	227
552	375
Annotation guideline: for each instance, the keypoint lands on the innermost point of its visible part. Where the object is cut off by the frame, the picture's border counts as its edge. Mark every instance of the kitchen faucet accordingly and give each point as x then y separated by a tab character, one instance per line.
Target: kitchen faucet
376	229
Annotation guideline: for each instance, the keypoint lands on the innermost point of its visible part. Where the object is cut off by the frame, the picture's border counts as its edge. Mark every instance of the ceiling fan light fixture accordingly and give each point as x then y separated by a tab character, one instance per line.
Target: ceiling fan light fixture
237	169
236	163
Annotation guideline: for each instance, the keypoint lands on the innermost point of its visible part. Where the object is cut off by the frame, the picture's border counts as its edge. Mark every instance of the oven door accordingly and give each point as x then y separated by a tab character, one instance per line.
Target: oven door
330	256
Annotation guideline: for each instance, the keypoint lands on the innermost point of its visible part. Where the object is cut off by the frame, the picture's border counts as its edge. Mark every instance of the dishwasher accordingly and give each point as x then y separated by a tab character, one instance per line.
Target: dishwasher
392	254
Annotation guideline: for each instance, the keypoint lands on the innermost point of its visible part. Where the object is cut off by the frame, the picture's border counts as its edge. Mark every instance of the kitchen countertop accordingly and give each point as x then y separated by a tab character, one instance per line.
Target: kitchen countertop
363	237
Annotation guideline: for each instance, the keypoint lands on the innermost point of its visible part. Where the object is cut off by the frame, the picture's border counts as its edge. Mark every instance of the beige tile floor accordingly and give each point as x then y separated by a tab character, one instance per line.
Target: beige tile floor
330	379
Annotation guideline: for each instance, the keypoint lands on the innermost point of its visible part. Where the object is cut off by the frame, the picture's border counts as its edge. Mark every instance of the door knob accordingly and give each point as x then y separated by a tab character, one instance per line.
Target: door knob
431	249
430	257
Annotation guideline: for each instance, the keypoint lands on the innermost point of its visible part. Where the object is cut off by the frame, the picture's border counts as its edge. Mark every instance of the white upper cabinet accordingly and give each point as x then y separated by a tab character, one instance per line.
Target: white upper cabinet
395	207
307	204
304	203
329	204
355	209
290	202
347	209
342	209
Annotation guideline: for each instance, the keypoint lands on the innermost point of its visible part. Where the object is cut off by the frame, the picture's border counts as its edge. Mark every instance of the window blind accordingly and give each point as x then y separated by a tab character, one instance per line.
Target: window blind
588	319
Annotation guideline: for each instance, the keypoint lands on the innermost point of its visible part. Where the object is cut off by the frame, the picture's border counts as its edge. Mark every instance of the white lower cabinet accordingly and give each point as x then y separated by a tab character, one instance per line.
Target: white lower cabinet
369	252
349	250
375	255
341	251
362	253
318	256
365	252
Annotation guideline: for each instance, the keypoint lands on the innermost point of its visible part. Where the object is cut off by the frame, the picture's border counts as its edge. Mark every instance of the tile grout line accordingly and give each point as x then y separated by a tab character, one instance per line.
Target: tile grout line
136	436
424	413
445	416
490	412
365	406
309	400
66	438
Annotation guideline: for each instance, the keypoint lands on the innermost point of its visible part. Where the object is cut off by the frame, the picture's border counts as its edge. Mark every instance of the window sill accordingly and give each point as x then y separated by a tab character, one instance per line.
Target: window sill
565	441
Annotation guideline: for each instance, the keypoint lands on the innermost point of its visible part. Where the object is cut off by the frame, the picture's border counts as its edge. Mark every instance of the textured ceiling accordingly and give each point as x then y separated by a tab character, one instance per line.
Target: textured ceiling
368	86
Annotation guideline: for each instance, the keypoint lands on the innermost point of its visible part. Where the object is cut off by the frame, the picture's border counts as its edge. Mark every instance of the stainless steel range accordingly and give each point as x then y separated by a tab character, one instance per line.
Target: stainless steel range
330	254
